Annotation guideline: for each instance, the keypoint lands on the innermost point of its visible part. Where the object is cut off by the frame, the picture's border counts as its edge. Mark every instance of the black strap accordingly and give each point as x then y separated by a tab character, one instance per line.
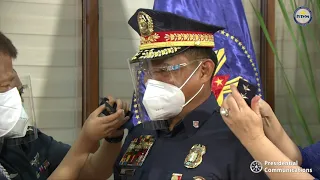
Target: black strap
115	139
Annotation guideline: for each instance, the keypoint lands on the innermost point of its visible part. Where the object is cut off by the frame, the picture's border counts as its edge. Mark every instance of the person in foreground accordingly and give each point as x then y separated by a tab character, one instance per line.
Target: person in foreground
27	153
186	137
308	157
263	136
94	129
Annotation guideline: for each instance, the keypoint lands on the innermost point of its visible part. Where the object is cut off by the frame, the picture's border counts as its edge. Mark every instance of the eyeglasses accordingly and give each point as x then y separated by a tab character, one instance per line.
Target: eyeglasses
169	68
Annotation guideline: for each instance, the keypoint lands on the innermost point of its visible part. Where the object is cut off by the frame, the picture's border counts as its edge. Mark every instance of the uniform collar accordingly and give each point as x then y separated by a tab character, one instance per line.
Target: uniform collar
195	119
30	136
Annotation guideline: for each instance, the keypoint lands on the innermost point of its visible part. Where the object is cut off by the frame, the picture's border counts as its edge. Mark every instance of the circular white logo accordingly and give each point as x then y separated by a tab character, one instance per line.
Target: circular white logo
302	16
256	166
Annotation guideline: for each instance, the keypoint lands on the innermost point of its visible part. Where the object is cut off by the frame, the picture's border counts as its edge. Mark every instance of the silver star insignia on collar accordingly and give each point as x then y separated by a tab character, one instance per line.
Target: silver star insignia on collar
246	88
244	96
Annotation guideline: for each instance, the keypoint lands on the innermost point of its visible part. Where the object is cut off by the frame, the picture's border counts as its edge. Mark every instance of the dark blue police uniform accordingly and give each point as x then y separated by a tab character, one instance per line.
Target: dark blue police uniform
2	177
201	146
3	173
32	160
224	157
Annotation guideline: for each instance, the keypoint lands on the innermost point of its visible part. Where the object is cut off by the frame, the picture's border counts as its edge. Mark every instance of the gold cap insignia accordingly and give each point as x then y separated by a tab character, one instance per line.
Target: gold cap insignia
194	158
145	24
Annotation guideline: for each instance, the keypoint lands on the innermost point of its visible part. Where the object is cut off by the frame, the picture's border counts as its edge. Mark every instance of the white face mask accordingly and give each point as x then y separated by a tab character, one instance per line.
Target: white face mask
13	118
20	129
164	101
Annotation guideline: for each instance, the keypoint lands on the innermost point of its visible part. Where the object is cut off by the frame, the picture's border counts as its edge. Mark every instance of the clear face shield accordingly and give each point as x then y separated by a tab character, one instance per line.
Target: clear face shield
22	127
157	85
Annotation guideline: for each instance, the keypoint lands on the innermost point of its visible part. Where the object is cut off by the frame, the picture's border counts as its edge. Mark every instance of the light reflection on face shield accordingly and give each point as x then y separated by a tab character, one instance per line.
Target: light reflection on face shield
164	72
21	91
16	82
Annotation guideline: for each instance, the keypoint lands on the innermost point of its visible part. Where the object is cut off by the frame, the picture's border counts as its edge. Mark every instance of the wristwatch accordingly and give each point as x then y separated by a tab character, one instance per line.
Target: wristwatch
114	139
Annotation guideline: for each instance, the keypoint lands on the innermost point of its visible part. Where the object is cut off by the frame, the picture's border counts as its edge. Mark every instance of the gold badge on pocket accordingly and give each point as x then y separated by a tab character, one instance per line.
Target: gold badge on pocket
194	158
137	151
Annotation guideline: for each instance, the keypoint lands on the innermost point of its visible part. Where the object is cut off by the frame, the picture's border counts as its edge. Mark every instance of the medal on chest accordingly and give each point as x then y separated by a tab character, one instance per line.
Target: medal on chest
45	165
35	162
176	176
137	151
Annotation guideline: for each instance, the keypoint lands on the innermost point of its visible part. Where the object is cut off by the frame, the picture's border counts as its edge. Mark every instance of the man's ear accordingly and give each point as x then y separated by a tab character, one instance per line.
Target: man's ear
207	69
